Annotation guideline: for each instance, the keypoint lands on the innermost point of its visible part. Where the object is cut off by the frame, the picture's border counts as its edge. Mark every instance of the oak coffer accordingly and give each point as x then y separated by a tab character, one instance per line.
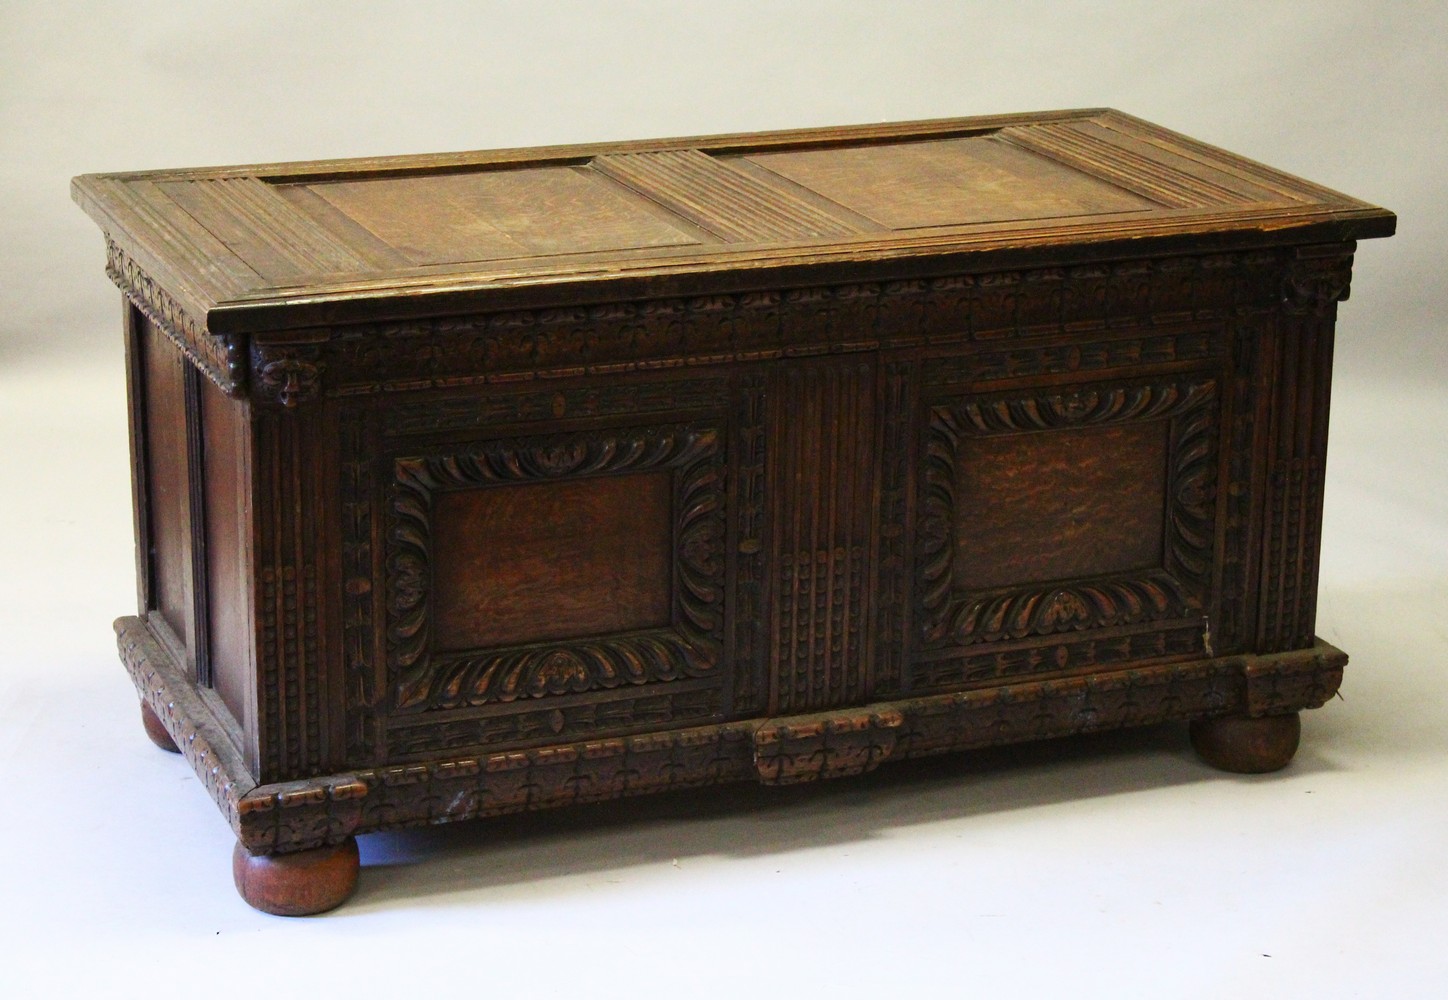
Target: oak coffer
484	482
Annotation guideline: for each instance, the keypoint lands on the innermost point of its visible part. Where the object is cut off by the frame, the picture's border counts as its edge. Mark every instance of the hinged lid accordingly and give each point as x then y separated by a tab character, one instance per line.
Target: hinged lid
302	244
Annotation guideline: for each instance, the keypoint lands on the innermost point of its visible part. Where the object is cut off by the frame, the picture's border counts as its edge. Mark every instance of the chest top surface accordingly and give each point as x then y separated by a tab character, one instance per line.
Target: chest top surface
298	244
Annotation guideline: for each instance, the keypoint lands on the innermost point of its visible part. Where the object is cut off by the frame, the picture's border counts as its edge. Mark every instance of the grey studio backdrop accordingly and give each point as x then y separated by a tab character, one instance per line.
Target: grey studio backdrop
1115	866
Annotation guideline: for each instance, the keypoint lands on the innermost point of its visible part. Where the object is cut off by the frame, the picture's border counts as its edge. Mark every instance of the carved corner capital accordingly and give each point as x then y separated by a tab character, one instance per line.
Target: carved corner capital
287	376
1316	282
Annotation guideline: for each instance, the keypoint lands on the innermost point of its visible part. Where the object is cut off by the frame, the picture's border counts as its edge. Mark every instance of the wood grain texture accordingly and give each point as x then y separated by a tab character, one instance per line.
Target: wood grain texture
261	228
821	474
523	564
492	215
168	498
949	182
734	205
303	815
484	483
226	569
300	883
1039	507
452	233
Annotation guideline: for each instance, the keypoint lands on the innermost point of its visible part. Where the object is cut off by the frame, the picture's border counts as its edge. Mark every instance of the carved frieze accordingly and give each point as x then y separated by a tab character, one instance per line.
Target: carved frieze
620	337
220	359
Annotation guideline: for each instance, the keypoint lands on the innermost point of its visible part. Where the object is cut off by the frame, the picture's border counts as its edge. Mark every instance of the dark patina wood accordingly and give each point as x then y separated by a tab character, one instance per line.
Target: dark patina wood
486	482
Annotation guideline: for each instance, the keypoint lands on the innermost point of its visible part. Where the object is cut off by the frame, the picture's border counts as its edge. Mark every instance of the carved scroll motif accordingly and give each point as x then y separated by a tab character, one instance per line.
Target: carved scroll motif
950	618
691	647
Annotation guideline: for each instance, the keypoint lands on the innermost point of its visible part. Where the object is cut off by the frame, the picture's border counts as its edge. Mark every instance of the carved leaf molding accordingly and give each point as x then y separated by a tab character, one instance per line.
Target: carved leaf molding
951	618
691	649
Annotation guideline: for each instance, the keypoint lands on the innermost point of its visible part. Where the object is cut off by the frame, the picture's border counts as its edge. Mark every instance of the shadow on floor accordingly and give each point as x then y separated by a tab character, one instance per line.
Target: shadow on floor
745	820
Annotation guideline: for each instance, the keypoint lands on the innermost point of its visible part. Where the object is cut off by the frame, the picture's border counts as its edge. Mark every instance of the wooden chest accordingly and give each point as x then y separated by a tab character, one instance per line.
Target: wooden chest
485	482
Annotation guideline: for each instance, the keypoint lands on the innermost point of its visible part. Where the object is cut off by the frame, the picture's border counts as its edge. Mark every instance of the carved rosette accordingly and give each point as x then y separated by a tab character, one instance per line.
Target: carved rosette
951	618
424	680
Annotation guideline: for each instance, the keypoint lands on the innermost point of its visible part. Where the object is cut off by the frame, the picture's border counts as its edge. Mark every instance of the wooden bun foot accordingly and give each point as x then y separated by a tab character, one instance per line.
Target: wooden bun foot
156	730
1245	745
297	884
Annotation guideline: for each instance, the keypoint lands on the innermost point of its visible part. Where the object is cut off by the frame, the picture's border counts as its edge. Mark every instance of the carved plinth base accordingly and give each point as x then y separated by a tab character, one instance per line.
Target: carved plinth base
1247	745
154	729
297	884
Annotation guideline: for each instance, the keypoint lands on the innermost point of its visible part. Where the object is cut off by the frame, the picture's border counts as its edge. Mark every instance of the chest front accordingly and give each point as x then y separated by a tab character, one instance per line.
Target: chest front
474	484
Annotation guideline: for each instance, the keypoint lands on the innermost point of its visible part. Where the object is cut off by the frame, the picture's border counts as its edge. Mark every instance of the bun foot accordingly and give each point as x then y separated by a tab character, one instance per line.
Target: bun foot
297	884
156	730
1245	745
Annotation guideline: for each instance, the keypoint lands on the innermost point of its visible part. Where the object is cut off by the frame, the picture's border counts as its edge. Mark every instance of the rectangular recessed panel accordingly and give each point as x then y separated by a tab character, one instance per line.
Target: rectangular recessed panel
949	182
168	511
1055	505
498	214
548	561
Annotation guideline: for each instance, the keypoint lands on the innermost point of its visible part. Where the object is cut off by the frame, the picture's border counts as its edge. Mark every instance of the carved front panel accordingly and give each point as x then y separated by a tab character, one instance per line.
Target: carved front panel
547	577
1065	526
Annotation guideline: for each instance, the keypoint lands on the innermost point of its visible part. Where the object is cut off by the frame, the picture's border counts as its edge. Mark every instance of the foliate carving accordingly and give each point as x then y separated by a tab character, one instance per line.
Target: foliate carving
950	618
1316	282
220	359
423	680
551	669
1082	407
1068	608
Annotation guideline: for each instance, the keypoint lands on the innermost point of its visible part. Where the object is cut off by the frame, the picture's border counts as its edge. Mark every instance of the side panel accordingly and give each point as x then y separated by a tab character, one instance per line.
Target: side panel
226	489
166	457
527	566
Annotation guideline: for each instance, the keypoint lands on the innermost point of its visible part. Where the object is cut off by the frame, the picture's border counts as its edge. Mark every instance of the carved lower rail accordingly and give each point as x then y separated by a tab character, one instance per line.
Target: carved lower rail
300	815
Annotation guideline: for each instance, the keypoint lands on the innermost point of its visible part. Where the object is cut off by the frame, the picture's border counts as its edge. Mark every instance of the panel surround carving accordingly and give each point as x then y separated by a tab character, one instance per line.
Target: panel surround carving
953	620
423	680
